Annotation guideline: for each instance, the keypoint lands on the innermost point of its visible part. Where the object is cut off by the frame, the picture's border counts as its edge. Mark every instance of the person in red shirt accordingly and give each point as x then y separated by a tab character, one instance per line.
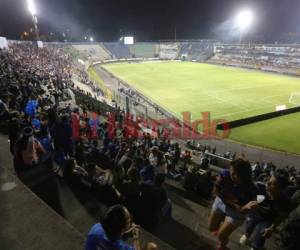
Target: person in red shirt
75	120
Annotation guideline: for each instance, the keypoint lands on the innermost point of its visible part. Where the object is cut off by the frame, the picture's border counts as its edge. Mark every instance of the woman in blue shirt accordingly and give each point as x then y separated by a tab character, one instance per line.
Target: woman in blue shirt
234	191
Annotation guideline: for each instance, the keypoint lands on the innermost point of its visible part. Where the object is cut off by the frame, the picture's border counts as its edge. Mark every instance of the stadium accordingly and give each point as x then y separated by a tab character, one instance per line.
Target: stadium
148	143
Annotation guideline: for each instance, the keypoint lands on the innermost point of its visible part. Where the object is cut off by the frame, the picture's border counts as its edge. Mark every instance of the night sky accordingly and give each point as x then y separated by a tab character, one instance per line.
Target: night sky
107	20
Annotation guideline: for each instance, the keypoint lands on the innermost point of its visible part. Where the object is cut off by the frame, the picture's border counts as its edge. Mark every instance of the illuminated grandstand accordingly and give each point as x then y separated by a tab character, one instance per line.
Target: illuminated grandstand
118	134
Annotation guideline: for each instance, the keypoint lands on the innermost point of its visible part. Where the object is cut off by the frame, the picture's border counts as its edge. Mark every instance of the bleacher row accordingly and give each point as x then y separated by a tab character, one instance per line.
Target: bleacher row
284	59
197	51
81	126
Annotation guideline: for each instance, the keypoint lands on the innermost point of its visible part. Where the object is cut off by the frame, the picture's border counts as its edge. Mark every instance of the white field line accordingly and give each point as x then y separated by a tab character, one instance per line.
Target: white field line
224	101
255	87
269	103
239	112
245	88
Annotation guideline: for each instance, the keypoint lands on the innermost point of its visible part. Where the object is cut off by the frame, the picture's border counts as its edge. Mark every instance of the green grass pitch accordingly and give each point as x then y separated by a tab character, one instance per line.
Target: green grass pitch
226	92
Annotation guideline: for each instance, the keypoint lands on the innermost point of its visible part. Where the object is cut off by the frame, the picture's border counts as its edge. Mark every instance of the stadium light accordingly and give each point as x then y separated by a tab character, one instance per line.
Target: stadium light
91	39
31	7
244	19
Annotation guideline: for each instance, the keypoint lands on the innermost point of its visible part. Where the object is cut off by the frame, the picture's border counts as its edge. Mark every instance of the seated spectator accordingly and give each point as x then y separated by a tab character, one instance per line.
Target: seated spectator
79	152
290	230
163	202
4	112
130	191
154	156
186	158
14	127
147	173
108	234
72	172
153	203
28	150
270	211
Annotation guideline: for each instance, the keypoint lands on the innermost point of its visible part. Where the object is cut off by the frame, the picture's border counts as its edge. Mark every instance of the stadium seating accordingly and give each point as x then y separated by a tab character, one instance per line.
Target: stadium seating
196	51
118	50
95	52
75	53
144	50
185	49
169	51
277	58
201	51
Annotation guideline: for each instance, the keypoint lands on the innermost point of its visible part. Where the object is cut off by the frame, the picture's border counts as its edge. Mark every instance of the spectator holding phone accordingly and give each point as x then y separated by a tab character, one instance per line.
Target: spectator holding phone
272	207
116	224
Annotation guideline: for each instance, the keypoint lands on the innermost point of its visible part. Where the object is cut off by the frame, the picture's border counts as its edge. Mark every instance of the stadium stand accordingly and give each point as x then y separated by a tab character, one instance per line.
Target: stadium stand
75	53
94	52
48	129
144	50
185	49
118	50
99	148
168	51
283	59
201	51
196	51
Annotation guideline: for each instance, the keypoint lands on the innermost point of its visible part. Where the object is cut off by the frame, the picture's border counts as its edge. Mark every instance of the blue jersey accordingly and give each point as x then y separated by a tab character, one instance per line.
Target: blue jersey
229	189
97	240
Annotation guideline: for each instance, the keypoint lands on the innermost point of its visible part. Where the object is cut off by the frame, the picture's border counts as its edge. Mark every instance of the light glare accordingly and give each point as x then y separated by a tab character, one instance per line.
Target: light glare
244	19
91	39
31	7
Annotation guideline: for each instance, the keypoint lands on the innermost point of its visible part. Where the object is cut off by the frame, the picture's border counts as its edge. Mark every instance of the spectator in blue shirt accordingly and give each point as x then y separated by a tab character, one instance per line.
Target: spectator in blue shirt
235	193
107	235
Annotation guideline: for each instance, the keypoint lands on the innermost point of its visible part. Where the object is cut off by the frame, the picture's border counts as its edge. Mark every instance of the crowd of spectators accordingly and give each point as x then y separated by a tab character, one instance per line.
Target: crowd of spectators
282	59
263	196
117	161
94	151
137	99
85	79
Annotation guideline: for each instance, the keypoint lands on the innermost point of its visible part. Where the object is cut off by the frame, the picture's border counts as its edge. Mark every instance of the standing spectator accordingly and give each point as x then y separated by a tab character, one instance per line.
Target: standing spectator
75	121
62	135
234	190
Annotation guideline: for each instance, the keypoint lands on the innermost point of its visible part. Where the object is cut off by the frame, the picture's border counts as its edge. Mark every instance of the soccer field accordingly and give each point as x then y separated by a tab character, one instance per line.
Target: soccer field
225	92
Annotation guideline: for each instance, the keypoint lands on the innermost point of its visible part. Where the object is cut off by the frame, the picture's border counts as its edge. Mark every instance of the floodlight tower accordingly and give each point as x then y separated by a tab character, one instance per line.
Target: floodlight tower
32	10
243	21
